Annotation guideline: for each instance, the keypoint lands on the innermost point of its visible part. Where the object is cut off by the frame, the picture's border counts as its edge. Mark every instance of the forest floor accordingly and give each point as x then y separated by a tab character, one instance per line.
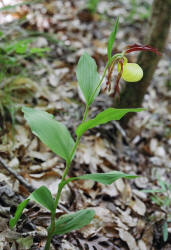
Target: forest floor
126	217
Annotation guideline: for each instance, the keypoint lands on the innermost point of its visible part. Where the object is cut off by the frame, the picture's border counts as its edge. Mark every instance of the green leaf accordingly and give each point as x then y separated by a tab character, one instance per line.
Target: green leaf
167	201
156	200
88	77
74	221
13	221
43	196
104	117
25	243
52	133
112	39
39	51
165	231
105	178
21	48
92	5
163	185
169	186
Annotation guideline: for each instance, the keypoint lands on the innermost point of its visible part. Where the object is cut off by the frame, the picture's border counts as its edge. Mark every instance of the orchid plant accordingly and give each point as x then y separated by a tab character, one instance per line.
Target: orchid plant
57	137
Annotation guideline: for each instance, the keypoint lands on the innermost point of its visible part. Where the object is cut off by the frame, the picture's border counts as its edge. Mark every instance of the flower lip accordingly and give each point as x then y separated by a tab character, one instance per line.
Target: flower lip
132	72
139	47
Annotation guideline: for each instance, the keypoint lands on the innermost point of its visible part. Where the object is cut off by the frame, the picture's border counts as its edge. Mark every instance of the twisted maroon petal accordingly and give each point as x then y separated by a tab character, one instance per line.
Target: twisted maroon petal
138	47
109	75
117	89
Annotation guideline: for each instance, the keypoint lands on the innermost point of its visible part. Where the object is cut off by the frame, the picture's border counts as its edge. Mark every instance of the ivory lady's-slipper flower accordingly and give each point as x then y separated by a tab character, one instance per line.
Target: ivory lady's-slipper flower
132	72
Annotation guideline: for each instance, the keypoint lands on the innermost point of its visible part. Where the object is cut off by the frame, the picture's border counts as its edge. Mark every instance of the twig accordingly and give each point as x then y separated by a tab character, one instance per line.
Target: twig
121	130
18	177
29	187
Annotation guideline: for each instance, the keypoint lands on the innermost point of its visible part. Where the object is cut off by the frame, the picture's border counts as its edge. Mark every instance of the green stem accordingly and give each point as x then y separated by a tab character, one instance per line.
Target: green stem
85	113
61	185
75	147
68	163
47	246
52	225
104	73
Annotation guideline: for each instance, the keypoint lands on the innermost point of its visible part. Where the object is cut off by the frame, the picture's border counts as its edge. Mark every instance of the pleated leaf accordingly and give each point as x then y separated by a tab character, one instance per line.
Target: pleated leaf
41	196
165	231
112	39
104	117
104	178
74	221
52	133
88	77
13	221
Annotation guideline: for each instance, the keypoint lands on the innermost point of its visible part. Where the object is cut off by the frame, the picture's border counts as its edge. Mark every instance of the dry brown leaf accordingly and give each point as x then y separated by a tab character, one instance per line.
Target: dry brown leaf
138	206
103	214
120	224
142	245
97	242
128	238
21	136
66	245
43	156
109	190
147	236
141	182
126	218
99	147
14	163
120	185
89	230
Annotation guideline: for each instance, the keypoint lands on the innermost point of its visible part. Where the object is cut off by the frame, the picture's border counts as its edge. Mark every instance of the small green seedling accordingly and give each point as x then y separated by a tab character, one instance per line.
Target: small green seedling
57	137
92	5
162	198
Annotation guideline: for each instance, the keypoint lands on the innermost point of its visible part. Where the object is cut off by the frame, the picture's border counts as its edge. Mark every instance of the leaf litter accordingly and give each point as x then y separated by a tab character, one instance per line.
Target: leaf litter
123	211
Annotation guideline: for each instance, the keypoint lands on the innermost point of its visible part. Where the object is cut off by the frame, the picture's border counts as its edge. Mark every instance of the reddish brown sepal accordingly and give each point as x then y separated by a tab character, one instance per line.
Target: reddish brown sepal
109	75
117	89
138	47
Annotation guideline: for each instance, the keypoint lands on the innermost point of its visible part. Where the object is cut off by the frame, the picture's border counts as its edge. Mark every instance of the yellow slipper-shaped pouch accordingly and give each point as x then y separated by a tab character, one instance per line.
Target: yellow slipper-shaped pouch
132	72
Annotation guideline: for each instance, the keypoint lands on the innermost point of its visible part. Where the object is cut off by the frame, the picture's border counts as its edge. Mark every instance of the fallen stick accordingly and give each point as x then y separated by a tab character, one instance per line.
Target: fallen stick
22	181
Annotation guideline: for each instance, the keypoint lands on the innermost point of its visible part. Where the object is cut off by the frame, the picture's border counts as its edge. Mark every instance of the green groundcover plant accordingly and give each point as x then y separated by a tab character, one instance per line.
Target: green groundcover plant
13	74
56	136
162	197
